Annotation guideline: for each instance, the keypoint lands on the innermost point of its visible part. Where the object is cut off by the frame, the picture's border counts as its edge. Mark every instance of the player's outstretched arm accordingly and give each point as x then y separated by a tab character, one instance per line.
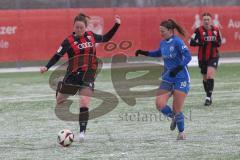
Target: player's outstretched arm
108	36
52	61
55	58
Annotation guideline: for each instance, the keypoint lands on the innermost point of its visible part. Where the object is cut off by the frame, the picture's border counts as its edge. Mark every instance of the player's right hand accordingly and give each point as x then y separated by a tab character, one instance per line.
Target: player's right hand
43	69
145	53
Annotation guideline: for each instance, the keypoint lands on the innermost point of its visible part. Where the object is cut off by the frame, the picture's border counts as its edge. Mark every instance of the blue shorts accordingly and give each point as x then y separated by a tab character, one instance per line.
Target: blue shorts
181	85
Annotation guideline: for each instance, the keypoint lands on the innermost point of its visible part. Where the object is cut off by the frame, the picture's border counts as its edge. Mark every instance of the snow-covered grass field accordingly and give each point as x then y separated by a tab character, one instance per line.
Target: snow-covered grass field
29	125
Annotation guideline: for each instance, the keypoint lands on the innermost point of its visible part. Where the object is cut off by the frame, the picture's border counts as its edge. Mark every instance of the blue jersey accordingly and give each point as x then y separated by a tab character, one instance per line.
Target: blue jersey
174	52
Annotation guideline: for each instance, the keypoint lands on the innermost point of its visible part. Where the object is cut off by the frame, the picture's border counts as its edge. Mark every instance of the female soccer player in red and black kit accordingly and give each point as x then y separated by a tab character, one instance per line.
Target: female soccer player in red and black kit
81	50
208	38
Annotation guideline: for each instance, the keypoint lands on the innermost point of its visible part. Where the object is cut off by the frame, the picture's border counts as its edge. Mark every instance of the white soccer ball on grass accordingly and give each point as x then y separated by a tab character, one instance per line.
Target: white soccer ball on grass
65	137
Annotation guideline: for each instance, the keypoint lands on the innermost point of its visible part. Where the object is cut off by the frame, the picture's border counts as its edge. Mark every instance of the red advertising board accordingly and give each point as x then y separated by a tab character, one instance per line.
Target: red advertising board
27	35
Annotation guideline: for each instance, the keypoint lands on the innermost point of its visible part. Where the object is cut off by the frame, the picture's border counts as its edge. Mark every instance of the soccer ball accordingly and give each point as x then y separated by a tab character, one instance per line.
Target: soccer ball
65	137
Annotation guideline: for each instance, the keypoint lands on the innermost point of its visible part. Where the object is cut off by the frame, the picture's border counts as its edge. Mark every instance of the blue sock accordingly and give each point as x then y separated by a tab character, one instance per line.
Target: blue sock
167	111
180	121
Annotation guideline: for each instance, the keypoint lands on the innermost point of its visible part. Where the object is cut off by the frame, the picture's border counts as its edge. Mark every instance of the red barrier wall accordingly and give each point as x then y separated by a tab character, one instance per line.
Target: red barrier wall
36	34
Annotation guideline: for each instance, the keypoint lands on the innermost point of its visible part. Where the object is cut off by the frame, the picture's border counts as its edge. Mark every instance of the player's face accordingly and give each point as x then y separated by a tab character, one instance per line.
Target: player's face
207	21
79	28
165	33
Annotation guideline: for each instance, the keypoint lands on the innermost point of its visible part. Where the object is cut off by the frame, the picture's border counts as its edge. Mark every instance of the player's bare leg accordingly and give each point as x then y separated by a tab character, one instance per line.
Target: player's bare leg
161	104
162	98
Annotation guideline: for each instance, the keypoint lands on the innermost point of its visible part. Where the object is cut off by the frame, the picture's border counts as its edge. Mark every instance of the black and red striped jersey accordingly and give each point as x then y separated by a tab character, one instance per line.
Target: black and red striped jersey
81	50
208	42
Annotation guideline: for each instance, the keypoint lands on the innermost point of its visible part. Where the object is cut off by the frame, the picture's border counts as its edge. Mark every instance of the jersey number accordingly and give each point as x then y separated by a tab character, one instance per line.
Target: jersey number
183	84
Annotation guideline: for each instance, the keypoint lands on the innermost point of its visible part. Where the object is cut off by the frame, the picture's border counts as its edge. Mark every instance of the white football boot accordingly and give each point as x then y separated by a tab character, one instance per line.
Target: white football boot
208	101
81	137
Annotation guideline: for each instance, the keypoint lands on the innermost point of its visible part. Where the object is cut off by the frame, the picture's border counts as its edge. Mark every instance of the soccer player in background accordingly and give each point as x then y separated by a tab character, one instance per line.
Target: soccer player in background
82	65
208	38
175	77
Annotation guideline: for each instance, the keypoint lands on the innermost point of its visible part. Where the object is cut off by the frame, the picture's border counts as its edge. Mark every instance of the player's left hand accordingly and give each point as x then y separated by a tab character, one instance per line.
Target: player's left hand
117	19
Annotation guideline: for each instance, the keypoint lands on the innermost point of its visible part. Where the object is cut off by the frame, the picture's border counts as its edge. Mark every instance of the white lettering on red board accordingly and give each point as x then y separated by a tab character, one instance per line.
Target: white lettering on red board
237	35
4	44
8	30
234	23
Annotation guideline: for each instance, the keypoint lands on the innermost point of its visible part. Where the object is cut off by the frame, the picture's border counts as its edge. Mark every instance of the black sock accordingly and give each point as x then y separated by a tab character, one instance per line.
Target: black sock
205	86
210	86
83	118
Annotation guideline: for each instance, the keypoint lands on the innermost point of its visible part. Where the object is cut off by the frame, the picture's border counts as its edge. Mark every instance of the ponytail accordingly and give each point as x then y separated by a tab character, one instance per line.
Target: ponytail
171	24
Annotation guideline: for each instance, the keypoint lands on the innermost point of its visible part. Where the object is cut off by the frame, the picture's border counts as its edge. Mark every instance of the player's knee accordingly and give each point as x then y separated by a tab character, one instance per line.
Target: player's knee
160	104
85	101
210	74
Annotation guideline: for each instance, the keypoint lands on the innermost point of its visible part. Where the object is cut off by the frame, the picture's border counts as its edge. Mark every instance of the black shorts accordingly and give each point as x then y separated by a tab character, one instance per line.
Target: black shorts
203	65
74	82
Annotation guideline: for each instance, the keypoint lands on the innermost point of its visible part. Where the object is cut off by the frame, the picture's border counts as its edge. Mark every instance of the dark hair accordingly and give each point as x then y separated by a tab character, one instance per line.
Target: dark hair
171	24
206	14
82	17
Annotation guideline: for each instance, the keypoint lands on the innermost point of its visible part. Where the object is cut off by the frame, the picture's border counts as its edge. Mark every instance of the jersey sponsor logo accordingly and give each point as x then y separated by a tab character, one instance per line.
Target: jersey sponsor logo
210	38
172	55
84	45
171	48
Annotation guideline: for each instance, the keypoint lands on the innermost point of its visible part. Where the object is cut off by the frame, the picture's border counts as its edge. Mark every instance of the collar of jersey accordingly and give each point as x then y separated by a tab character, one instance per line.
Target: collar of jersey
169	40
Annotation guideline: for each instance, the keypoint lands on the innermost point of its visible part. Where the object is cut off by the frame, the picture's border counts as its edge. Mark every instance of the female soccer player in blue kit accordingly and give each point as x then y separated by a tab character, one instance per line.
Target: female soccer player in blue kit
175	77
